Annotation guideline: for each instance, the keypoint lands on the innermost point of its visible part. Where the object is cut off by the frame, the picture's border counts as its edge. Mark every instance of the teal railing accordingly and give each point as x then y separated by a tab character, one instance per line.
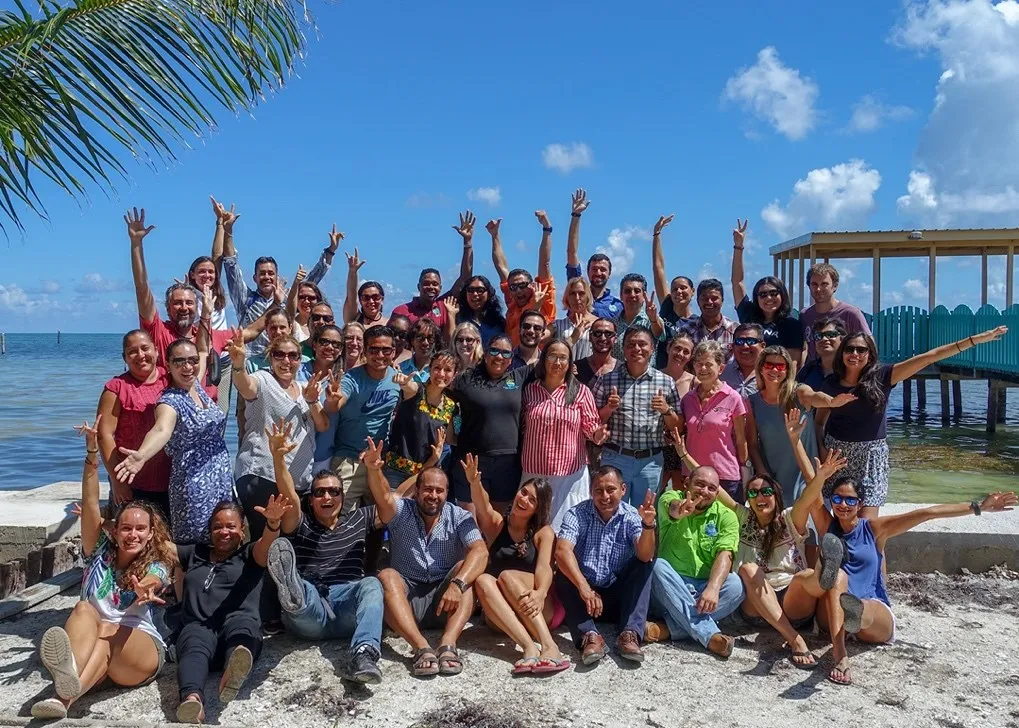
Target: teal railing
905	331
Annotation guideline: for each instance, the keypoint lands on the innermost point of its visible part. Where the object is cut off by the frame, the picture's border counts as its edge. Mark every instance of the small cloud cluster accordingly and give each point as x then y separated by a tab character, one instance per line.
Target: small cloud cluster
92	283
776	93
492	196
565	159
869	114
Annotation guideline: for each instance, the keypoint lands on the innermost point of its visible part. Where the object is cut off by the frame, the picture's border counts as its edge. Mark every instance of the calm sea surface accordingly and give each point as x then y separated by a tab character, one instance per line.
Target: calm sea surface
46	387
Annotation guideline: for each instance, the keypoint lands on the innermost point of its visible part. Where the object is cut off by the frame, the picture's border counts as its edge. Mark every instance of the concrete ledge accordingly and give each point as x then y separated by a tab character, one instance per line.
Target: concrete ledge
35	517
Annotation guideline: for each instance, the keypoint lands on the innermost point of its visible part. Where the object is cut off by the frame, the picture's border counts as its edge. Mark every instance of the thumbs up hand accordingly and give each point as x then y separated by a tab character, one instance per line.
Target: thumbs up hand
659	403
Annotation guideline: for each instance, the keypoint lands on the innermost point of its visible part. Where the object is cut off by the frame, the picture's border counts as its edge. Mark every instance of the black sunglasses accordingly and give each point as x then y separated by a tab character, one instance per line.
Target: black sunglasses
766	490
500	352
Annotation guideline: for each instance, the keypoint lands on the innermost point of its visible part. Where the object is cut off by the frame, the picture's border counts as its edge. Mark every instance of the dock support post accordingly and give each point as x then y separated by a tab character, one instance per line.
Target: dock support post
956	399
1002	403
921	395
907	400
945	411
992	406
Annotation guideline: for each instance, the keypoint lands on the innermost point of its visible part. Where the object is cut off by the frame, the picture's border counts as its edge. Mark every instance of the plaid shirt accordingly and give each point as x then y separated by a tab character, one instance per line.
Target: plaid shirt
425	557
602	549
723	334
640	321
634	425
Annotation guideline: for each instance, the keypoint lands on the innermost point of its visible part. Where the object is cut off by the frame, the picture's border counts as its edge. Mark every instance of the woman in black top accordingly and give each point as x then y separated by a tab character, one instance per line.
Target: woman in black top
222	588
514	590
480	305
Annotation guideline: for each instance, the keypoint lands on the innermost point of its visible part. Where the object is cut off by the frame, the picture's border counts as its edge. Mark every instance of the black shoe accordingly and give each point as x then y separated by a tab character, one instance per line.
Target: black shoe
272	627
365	665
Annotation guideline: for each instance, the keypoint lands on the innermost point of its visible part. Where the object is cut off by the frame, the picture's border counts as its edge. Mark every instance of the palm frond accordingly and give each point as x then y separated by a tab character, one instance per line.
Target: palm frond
85	81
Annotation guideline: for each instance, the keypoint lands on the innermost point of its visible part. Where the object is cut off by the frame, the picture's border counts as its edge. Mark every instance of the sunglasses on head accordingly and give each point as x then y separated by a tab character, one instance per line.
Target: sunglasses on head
770	293
856	350
500	353
849	500
818	335
778	366
322	317
519	286
179	361
294	356
765	491
747	341
333	491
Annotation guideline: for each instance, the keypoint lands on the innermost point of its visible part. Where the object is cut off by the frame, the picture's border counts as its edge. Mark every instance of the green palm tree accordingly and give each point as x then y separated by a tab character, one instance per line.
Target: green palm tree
84	81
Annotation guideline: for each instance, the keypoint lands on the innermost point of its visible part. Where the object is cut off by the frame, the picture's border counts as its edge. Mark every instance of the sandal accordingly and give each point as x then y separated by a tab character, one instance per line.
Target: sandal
525	666
805	655
426	663
191	711
551	665
450	665
841	675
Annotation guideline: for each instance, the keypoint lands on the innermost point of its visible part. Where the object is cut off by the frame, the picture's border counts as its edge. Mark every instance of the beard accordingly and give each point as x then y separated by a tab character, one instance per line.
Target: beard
184	322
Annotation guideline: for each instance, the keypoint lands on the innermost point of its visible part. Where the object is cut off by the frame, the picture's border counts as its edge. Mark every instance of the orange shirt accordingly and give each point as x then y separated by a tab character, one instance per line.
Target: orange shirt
513	311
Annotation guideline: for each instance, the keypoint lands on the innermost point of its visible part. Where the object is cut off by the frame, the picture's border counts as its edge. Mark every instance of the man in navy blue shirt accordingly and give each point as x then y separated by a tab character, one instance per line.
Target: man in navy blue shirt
599	267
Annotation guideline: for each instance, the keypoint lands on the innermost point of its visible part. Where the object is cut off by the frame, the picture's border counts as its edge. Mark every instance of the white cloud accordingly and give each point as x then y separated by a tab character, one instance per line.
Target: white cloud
426	199
490	195
566	159
619	250
95	283
706	271
869	114
891	298
522	246
776	93
842	195
915	289
50	286
969	147
13	298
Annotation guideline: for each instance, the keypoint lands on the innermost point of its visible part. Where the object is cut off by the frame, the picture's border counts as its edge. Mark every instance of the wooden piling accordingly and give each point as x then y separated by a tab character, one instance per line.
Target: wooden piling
945	411
992	406
907	400
921	395
956	399
1002	404
3	343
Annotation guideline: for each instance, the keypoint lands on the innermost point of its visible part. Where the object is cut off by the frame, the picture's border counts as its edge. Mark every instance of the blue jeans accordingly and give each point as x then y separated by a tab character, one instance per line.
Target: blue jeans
351	610
639	474
674	597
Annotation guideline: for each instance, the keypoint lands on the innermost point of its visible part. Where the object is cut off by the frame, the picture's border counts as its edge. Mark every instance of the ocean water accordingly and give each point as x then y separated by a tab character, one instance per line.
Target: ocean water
46	387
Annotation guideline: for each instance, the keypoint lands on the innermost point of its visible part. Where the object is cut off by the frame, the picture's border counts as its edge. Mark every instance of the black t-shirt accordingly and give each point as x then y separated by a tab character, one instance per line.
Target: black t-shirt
858	421
490	410
786	331
234	587
326	557
585	372
415	429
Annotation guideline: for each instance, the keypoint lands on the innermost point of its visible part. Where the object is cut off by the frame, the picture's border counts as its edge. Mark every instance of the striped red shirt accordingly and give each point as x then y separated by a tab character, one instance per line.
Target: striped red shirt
555	433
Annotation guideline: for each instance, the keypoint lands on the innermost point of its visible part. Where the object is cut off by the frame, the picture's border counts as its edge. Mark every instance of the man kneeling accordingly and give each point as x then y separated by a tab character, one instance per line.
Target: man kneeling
604	553
436	552
319	568
693	585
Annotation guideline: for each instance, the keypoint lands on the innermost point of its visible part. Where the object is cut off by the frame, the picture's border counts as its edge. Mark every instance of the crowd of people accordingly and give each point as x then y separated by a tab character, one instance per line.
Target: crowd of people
631	462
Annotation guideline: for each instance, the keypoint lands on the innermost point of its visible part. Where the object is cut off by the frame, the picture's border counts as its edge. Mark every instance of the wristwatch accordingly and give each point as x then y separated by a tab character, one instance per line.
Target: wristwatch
646	527
459	584
547	230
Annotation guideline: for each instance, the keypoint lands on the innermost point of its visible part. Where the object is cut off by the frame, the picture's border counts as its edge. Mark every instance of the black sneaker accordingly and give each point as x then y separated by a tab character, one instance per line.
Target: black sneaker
282	563
365	665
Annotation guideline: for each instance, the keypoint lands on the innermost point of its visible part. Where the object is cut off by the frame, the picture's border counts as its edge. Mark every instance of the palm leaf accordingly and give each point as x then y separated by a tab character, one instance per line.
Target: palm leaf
85	81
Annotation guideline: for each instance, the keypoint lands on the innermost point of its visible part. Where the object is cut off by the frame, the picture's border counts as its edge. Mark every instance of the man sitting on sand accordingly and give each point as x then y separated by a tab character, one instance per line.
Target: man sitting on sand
605	552
436	553
693	585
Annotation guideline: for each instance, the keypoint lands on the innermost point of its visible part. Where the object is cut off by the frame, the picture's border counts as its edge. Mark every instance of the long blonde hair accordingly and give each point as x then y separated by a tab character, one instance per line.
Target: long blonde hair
787	389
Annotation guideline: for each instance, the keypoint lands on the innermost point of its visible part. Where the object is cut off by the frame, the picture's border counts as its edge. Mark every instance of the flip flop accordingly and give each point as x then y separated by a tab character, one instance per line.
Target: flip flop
832	553
802	665
846	679
550	665
852	612
525	666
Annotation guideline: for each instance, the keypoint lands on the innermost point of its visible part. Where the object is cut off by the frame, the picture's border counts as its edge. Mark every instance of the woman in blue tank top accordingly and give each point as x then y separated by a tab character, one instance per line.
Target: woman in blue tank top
849	571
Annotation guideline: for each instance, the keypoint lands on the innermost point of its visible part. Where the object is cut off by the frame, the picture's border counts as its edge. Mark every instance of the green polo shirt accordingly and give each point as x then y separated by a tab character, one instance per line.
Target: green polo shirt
691	544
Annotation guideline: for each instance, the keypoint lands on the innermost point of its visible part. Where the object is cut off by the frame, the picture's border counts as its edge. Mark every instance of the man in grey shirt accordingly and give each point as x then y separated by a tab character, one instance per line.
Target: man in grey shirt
740	371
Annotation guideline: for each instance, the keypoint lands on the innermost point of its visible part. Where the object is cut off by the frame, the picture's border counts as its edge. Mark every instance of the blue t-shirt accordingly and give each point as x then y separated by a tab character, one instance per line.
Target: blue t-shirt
367	412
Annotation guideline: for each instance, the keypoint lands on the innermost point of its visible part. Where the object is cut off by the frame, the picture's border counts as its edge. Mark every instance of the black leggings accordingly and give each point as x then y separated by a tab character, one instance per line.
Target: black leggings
200	646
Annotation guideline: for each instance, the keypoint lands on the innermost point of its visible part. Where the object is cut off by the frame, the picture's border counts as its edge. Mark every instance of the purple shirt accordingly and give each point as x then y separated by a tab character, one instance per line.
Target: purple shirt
850	316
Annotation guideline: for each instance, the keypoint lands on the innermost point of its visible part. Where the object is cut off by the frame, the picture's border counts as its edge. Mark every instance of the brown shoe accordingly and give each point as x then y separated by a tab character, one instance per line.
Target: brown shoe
721	645
593	648
628	646
656	632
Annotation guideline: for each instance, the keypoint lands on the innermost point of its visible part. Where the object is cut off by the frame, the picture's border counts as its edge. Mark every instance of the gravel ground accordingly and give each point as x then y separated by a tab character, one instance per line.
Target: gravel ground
954	665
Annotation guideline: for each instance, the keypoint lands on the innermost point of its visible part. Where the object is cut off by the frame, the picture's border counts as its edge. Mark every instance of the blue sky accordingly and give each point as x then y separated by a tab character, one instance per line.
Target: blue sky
869	115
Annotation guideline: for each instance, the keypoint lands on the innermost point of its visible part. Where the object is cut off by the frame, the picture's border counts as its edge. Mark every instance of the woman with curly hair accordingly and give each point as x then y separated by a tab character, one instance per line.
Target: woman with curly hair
110	632
480	305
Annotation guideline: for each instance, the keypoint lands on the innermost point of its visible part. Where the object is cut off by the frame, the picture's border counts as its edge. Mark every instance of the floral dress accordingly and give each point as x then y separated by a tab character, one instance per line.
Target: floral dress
201	472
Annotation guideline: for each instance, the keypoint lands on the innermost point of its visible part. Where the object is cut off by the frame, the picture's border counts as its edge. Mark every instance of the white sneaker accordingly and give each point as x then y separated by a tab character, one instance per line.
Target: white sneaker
55	653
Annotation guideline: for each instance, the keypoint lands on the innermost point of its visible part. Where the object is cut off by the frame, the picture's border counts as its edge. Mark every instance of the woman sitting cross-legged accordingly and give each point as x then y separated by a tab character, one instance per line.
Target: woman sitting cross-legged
110	631
852	556
514	590
222	590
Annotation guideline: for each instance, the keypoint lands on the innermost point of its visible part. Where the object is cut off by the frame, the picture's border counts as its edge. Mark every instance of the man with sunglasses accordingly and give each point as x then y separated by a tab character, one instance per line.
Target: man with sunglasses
601	361
318	568
740	371
520	290
363	401
532	330
823	280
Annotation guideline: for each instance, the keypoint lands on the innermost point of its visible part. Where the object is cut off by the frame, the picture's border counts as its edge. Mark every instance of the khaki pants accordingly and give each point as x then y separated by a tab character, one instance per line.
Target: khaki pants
354	477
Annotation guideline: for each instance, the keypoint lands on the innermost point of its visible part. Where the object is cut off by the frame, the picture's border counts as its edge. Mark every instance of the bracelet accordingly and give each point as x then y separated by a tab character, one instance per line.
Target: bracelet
91	452
647	527
574	214
737	247
547	230
971	342
237	369
273	530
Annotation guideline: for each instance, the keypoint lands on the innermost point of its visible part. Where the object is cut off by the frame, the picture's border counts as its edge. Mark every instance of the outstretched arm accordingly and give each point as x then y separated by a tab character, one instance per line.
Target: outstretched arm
91	517
299	277
809	503
658	258
498	256
137	231
886	527
466	231
385	500
580	204
155	440
739	291
545	249
905	370
325	261
273	512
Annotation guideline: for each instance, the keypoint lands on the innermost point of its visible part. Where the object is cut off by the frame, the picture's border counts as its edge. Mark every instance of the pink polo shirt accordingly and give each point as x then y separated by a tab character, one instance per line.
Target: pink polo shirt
709	430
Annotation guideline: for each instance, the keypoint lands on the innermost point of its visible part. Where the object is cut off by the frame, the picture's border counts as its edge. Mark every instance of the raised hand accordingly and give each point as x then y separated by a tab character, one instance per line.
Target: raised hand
614	399
659	404
739	233
440	444
236	349
90	433
334	239
208	300
279	438
987	336
76	509
580	201
300	275
542	218
224	216
452	306
833	463
274	509
647	509
795	422
466	227
492	226
580	328
354	261
146	594
470	466
600	435
650	308
540	292
401	380
279	293
840	400
334	391
996	502
371	456
313	389
663	222
136	229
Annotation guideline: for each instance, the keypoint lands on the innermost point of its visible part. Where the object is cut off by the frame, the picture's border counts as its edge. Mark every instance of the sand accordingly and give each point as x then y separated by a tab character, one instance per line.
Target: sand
955	664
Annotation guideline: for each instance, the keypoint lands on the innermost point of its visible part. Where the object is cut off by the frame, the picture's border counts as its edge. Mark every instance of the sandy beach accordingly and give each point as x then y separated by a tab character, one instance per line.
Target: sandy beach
950	667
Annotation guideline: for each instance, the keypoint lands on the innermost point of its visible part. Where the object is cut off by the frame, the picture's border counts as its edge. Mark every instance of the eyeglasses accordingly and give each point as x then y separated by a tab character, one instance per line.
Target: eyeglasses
179	361
519	286
558	359
467	340
818	335
849	500
210	577
856	350
330	342
424	337
327	318
383	350
500	352
765	491
294	356
476	290
532	327
747	341
778	366
770	293
308	297
334	492
373	297
602	334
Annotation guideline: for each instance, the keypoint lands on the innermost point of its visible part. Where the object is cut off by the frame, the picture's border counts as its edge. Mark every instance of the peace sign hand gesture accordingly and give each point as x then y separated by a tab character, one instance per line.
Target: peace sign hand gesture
354	262
739	233
334	239
685	507
650	308
580	201
274	509
371	456
91	434
647	509
466	227
313	389
146	594
663	222
136	229
279	438
470	466
236	349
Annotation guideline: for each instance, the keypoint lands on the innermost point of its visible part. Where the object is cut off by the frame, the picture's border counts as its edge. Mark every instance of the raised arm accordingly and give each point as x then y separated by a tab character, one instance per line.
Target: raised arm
354	264
489	519
466	231
580	204
646	541
658	258
325	261
313	396
107	416
498	256
739	291
273	512
91	517
299	277
245	384
280	445
905	370
385	500
886	527
155	440
137	231
795	422
335	397
545	249
809	503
